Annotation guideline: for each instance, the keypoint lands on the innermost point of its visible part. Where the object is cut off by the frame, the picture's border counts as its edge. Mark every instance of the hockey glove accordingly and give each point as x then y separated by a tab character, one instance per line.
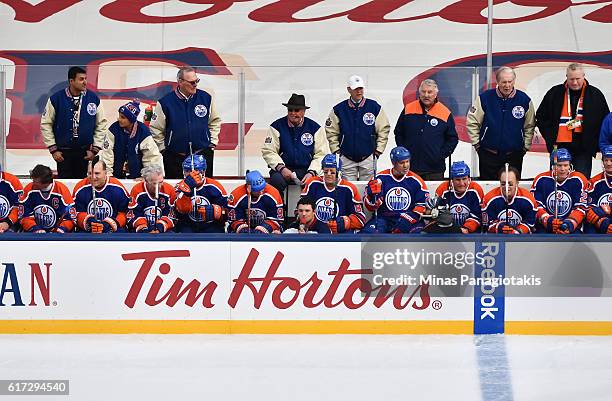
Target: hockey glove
404	224
567	227
143	228
263	228
110	225
96	226
595	214
60	230
243	229
340	225
605	225
551	224
374	188
160	227
211	212
505	228
193	180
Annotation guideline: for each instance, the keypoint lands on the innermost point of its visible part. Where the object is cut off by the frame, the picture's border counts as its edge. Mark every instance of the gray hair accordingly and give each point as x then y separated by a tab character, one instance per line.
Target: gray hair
503	69
181	72
429	82
574	67
150	171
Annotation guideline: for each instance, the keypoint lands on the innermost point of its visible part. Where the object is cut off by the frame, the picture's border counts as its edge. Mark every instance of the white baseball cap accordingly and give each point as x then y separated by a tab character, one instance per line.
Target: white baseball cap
355	82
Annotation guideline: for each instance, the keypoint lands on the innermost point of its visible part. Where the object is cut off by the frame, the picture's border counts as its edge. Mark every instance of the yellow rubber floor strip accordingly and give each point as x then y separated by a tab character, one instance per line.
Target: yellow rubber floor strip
559	328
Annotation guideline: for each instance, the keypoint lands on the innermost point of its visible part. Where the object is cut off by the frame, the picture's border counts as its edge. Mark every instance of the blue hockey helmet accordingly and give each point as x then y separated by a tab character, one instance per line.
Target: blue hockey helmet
331	161
606	152
195	162
255	180
399	154
459	169
561	155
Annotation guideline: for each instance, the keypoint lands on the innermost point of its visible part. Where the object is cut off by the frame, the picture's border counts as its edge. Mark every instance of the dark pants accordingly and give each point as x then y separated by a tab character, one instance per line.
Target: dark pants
429	176
74	164
173	162
490	163
278	181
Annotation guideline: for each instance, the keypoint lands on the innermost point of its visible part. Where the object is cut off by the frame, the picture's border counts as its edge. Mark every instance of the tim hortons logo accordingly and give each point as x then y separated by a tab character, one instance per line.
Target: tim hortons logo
283	291
284	11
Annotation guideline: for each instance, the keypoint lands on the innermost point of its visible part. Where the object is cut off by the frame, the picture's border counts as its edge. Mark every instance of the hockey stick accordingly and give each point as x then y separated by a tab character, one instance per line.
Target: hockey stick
556	182
248	188
374	175
507	194
156	200
95	160
336	211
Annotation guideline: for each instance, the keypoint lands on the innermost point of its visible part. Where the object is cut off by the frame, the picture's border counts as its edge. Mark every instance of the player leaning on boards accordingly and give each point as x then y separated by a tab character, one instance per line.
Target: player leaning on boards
101	202
599	216
397	197
463	197
10	192
152	205
509	208
337	201
185	122
73	125
128	145
500	124
561	195
357	129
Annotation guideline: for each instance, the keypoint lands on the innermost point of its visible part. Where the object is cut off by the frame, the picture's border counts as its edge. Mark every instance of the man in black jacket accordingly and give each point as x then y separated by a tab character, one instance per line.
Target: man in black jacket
570	116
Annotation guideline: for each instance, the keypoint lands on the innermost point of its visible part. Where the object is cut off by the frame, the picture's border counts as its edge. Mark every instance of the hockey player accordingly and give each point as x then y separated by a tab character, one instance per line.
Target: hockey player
255	207
337	201
307	222
152	206
103	208
397	196
201	201
463	197
10	191
599	215
509	208
46	204
561	195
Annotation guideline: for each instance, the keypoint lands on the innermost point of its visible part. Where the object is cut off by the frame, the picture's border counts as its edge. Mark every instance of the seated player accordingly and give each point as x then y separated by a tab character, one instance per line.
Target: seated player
599	215
561	196
509	208
10	192
255	207
397	196
46	204
152	205
307	222
201	201
128	145
464	198
337	201
102	209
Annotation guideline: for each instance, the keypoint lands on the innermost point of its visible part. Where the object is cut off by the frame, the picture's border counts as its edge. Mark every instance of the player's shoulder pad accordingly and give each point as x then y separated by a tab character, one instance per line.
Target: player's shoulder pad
525	193
216	184
581	177
26	192
384	172
597	178
476	187
542	175
491	195
115	182
237	194
417	178
274	194
350	186
84	183
12	180
138	189
61	189
442	188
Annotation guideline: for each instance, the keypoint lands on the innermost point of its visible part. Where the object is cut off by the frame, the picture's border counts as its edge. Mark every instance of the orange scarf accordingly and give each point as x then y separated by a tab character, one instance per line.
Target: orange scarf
564	135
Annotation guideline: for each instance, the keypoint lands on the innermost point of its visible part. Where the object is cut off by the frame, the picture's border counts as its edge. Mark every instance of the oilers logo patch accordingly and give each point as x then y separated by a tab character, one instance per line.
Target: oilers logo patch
106	144
307	139
328	122
398	198
564	203
605	199
45	216
92	109
196	203
325	209
369	119
103	208
151	216
257	217
433	122
518	112
460	213
5	207
514	218
200	110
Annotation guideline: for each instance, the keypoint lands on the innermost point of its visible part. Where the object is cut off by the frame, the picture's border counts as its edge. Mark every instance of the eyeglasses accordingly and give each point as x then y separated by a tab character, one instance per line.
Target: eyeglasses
294	110
193	83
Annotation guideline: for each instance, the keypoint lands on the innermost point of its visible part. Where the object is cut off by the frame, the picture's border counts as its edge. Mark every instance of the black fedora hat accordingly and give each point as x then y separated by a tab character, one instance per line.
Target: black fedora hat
296	102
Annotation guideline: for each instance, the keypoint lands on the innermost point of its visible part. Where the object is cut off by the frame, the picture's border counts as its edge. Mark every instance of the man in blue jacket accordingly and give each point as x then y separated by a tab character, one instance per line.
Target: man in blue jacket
358	128
185	121
500	124
73	125
427	129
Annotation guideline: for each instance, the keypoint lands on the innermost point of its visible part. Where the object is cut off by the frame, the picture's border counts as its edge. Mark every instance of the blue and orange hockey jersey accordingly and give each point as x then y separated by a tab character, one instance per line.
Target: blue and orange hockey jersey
145	211
47	211
10	192
522	210
112	202
599	194
345	198
407	194
466	209
211	192
266	208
